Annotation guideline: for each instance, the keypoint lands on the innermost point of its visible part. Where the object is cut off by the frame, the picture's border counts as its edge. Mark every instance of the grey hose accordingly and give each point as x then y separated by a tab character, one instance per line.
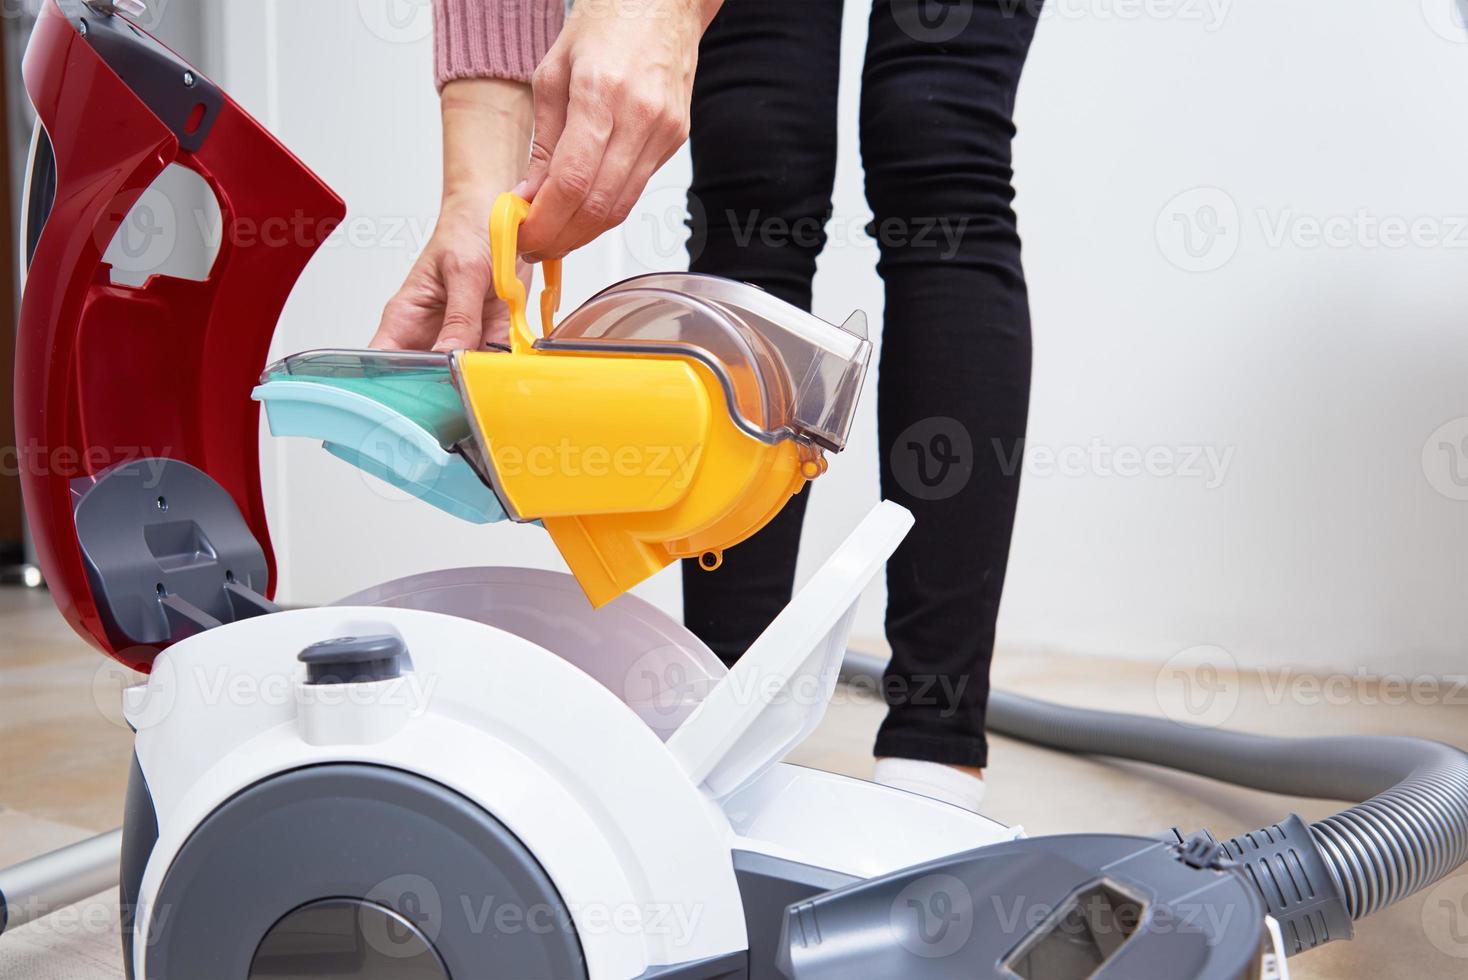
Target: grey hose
1408	829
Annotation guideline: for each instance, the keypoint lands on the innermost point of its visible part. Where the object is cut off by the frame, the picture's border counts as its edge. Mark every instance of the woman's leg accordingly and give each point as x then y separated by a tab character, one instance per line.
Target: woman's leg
763	139
937	103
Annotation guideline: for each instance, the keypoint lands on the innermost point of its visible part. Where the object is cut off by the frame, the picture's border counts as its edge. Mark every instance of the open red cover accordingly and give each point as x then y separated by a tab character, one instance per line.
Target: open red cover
107	374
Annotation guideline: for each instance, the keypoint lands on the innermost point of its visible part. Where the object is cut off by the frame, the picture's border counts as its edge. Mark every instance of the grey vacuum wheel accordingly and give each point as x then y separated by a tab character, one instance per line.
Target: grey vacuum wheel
357	872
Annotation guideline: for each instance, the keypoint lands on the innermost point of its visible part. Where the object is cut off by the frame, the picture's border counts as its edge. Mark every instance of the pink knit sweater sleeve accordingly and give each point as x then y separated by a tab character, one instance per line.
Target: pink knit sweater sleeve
493	38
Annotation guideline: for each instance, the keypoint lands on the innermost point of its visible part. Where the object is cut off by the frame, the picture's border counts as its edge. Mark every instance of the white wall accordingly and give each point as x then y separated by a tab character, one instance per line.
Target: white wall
1330	529
1324	369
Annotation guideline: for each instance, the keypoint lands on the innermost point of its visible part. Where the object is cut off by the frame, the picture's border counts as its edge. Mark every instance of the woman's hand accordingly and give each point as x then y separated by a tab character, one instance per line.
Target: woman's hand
611	106
448	300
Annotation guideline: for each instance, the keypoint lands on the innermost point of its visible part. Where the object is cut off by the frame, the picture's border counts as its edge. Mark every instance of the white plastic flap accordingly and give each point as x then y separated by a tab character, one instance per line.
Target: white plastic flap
778	692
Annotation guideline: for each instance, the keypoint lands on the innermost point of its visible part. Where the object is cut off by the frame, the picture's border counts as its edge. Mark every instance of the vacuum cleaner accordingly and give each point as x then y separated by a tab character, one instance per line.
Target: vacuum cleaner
502	773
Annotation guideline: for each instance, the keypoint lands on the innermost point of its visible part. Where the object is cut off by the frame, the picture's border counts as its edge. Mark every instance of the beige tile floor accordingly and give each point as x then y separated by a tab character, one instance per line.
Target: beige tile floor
64	754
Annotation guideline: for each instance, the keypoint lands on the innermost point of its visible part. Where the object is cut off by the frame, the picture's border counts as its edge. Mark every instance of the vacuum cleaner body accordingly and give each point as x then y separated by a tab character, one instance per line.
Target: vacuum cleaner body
424	793
523	817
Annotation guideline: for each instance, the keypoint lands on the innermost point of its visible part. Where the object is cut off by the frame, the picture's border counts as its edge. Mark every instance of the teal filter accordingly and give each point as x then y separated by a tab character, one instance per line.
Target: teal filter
394	416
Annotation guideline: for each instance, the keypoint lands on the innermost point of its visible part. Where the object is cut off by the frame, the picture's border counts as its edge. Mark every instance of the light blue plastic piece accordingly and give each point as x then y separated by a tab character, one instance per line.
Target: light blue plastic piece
381	441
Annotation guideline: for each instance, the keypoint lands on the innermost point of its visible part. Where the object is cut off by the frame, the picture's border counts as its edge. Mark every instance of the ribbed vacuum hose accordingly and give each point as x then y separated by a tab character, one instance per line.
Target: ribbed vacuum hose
1404	839
1408	830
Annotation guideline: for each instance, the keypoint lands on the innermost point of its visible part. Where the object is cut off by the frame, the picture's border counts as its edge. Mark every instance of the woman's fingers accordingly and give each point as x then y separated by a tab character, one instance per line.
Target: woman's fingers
405	323
389	329
551	88
652	157
615	139
598	210
590	119
648	131
463	317
611	104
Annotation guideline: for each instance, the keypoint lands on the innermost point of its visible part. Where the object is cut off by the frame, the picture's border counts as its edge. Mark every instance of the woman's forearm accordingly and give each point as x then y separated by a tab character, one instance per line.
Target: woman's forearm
486	138
486	53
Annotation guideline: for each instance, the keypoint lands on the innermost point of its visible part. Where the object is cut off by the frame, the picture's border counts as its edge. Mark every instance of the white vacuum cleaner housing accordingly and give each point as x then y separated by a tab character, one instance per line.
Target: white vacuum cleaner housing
567	830
473	774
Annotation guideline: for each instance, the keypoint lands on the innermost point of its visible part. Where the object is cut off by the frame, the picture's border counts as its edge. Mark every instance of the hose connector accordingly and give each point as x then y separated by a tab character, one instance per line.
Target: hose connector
1286	866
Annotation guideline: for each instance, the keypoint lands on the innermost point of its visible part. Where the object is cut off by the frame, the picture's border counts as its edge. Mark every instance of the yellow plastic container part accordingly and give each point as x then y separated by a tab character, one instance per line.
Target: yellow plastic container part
671	416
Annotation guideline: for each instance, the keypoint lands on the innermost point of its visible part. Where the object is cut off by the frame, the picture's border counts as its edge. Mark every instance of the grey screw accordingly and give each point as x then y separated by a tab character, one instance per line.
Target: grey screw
189	79
82	28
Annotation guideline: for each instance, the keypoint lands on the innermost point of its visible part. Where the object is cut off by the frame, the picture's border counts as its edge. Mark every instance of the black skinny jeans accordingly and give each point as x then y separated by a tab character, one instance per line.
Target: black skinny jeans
937	103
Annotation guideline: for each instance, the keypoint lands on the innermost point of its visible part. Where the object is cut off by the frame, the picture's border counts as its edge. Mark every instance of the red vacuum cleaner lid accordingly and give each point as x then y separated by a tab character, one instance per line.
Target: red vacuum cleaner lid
107	374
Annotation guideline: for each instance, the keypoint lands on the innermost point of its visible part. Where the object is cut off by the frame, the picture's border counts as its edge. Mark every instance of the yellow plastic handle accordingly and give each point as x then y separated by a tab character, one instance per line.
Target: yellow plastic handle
504	233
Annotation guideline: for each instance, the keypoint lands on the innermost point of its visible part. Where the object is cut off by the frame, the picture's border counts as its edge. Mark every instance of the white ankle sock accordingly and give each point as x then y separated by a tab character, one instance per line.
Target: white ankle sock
933	780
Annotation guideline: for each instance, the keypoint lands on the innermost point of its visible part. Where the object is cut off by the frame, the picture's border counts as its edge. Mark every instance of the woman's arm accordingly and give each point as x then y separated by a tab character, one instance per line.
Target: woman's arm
485	52
610	105
448	301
